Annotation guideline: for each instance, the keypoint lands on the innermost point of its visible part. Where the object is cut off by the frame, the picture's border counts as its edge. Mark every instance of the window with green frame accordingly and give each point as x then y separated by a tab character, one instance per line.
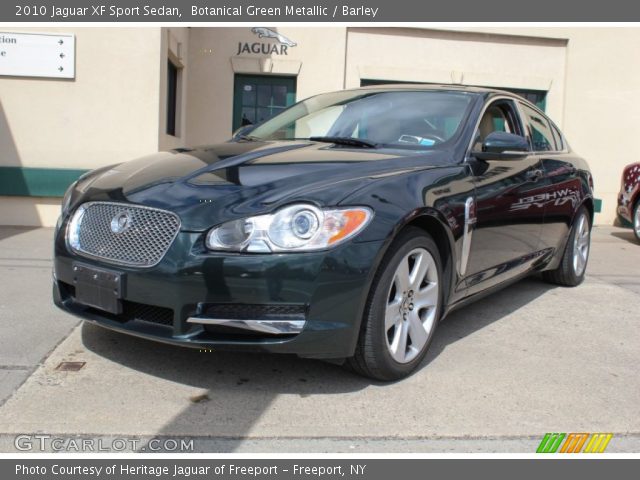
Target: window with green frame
257	98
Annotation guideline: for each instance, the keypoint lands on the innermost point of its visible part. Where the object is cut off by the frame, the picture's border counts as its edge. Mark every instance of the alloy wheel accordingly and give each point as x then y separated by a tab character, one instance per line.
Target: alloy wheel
412	304
581	243
636	220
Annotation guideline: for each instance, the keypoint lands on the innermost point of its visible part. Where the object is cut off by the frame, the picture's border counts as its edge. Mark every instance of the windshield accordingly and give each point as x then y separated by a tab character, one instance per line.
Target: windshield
416	119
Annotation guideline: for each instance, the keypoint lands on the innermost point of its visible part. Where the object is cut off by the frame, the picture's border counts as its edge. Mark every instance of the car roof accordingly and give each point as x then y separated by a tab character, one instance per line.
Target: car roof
434	86
485	92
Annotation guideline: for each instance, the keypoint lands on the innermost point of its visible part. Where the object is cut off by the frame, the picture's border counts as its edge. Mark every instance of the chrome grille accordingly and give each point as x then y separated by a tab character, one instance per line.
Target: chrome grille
144	234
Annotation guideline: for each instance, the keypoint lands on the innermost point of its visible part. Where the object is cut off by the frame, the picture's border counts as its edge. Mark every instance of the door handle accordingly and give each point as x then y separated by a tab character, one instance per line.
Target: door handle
535	174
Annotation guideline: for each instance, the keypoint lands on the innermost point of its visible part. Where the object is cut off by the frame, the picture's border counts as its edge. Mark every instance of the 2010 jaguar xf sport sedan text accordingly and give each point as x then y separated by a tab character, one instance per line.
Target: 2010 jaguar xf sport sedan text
346	227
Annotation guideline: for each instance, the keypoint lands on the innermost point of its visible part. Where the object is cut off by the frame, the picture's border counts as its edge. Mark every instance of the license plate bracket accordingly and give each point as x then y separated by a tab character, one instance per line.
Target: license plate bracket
98	287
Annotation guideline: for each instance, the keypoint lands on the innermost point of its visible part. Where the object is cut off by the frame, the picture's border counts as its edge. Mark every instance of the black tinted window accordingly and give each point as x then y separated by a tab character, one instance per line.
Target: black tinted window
540	131
558	136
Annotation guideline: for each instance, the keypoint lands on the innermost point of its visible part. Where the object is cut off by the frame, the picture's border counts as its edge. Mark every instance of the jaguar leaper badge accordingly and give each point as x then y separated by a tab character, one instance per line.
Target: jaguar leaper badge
268	33
277	43
121	222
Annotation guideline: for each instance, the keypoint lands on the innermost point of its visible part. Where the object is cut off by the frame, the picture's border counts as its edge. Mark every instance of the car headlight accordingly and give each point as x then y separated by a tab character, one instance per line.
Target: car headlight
66	200
300	228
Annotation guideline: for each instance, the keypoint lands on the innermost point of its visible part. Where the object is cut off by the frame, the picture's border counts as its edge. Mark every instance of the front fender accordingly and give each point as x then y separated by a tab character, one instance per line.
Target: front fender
432	199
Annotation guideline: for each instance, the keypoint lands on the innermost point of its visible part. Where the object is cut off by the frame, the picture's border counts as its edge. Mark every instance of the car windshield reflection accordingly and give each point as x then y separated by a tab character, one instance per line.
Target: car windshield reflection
398	119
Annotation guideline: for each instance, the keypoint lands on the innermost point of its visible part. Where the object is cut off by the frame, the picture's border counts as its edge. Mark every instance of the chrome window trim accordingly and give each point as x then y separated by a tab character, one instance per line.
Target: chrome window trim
517	101
565	150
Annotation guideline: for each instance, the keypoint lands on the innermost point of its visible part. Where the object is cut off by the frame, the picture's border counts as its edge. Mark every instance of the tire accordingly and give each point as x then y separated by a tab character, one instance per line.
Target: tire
402	310
573	265
635	220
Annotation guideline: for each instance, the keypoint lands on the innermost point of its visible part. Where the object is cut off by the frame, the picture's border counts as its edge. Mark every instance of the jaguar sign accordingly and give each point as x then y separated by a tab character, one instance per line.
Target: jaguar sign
272	43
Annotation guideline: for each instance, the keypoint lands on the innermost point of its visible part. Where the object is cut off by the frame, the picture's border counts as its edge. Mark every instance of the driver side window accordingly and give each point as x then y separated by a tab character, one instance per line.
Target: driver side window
500	116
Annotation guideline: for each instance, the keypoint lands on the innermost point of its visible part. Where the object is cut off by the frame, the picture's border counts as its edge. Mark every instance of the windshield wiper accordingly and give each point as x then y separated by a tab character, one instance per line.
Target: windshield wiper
354	142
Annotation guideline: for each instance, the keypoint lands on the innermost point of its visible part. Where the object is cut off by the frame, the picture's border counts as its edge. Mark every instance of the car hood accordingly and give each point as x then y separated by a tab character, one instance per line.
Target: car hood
211	184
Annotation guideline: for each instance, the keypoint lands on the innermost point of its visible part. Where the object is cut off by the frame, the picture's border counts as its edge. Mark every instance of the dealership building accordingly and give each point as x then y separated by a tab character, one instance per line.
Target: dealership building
75	98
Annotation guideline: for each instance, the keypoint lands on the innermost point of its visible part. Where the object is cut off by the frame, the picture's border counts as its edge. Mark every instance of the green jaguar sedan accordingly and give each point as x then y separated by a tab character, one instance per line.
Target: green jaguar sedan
344	228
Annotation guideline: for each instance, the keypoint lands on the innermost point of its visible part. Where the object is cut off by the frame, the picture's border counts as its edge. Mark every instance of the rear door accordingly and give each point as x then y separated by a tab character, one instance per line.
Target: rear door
508	224
561	187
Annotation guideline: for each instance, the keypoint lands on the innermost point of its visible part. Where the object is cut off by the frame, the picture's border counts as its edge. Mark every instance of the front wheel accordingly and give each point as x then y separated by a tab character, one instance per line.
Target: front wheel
573	266
403	309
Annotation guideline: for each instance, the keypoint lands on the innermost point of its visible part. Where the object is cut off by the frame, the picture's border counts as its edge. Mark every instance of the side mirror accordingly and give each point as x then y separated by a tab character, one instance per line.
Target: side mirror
502	146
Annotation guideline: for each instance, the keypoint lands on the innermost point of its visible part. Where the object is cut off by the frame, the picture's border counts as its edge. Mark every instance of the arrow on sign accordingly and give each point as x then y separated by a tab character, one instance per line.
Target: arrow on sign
60	69
62	55
60	42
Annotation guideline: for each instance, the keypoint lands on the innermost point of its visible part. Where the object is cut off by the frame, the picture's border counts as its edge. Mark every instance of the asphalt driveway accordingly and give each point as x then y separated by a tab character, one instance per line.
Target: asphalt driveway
530	359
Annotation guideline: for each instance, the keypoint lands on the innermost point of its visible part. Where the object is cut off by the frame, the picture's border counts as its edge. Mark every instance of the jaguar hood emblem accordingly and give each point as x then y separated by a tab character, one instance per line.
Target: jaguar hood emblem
121	222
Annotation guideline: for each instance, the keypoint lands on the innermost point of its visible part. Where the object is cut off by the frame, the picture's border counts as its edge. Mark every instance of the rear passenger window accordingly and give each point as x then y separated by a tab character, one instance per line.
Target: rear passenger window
540	131
558	136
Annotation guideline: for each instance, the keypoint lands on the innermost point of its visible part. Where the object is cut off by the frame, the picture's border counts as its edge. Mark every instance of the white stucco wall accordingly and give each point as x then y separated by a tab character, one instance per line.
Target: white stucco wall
115	108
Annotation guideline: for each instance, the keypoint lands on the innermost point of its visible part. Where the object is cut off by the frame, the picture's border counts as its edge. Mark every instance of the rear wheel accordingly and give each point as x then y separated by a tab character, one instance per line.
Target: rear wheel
403	309
573	266
636	220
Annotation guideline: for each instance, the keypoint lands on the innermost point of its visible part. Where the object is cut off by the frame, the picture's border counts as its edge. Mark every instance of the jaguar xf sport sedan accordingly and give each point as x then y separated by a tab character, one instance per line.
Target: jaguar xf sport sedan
345	228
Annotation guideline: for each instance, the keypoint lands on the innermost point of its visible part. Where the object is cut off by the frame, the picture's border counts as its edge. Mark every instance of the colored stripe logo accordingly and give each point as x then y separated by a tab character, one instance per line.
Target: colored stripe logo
574	443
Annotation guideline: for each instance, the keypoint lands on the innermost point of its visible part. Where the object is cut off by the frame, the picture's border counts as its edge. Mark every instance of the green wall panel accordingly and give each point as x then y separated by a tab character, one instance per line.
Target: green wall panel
597	205
37	182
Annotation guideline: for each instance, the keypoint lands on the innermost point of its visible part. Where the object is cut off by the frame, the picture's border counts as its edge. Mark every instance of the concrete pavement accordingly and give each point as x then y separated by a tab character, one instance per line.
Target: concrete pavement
530	359
30	326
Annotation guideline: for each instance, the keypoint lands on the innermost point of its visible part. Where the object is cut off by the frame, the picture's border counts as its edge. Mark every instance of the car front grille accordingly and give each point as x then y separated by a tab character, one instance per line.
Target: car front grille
144	237
136	311
146	313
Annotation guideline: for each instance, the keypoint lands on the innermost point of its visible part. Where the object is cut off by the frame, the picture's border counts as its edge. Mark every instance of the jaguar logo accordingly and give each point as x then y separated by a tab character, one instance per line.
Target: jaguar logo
121	222
268	33
266	48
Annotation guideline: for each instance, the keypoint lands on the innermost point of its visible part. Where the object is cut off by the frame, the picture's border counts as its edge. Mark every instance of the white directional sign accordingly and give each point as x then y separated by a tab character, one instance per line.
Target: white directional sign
37	55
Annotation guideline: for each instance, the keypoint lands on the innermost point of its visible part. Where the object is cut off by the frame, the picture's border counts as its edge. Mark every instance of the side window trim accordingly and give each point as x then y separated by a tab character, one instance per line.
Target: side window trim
557	137
530	131
563	141
514	112
555	131
525	125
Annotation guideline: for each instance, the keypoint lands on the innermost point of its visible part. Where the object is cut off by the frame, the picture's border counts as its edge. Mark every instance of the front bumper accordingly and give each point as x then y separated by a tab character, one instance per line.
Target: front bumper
309	304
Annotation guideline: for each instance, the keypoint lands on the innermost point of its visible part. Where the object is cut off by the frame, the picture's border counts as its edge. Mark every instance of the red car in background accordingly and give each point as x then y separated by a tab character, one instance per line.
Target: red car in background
629	197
